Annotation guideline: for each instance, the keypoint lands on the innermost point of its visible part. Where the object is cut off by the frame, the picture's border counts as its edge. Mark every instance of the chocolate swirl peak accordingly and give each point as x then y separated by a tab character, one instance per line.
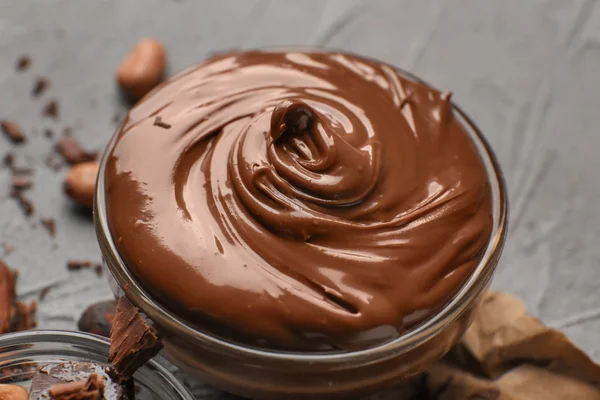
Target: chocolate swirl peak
304	201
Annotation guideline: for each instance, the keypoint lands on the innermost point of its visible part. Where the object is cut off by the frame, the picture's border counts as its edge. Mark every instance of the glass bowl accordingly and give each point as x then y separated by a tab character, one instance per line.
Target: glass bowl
23	352
269	374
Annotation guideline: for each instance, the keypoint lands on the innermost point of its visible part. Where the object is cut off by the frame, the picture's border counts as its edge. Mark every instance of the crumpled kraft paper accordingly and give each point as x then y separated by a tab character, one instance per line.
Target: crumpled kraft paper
508	355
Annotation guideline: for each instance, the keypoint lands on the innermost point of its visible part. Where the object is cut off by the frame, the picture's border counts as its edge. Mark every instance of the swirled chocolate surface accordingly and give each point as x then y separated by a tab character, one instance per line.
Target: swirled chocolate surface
292	200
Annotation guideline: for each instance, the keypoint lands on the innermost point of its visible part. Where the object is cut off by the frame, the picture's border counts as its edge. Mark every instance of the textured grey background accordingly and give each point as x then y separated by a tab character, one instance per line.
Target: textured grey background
528	71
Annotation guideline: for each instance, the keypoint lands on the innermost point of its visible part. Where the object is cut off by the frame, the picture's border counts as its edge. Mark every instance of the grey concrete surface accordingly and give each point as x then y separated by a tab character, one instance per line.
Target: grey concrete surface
527	71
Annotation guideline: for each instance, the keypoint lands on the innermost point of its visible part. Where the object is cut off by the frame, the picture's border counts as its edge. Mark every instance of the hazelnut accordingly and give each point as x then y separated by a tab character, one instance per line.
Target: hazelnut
12	392
142	69
80	183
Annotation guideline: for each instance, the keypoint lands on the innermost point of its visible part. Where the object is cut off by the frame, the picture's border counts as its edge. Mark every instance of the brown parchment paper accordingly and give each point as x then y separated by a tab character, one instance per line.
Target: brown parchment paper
507	355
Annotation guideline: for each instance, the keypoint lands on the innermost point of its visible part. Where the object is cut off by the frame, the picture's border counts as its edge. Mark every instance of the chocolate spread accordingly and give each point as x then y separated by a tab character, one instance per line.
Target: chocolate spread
297	200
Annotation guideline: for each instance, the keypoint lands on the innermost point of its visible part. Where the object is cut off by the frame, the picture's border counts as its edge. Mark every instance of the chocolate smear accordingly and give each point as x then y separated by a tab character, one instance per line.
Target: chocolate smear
133	341
72	151
160	123
12	131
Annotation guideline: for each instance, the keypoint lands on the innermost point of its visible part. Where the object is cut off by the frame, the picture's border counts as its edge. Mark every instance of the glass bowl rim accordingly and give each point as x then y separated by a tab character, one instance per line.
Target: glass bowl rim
77	338
413	338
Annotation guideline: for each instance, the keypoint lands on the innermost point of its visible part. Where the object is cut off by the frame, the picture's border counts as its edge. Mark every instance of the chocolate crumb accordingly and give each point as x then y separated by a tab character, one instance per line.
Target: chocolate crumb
23	63
21	182
12	131
7	248
98	269
44	293
159	122
25	204
40	86
72	151
48	133
9	160
50	225
75	265
51	109
14	316
133	340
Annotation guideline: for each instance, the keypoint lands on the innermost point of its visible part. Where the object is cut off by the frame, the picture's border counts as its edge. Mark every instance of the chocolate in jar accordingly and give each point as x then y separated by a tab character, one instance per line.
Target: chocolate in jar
300	201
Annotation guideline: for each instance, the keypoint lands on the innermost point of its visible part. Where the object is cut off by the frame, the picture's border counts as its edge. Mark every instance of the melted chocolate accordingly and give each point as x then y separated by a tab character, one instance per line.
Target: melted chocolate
305	201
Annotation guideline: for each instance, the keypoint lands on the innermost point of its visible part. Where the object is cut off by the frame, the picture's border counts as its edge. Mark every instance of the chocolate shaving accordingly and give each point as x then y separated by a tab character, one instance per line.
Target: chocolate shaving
75	265
23	63
91	389
50	225
25	204
12	131
21	182
133	340
14	316
72	151
159	122
51	109
40	86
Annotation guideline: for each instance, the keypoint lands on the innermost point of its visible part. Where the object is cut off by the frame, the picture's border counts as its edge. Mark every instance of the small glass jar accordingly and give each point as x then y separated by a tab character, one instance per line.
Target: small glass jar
23	352
265	374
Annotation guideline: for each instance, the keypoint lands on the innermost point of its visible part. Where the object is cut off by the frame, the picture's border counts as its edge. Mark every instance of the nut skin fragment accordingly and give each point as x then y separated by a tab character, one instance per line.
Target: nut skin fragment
142	69
12	392
80	183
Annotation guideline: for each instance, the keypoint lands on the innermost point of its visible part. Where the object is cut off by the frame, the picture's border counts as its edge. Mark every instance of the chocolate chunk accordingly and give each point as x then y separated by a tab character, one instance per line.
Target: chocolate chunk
21	182
25	204
24	316
51	109
12	392
8	279
159	122
72	151
75	265
40	86
133	341
50	225
98	318
12	131
23	63
79	381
